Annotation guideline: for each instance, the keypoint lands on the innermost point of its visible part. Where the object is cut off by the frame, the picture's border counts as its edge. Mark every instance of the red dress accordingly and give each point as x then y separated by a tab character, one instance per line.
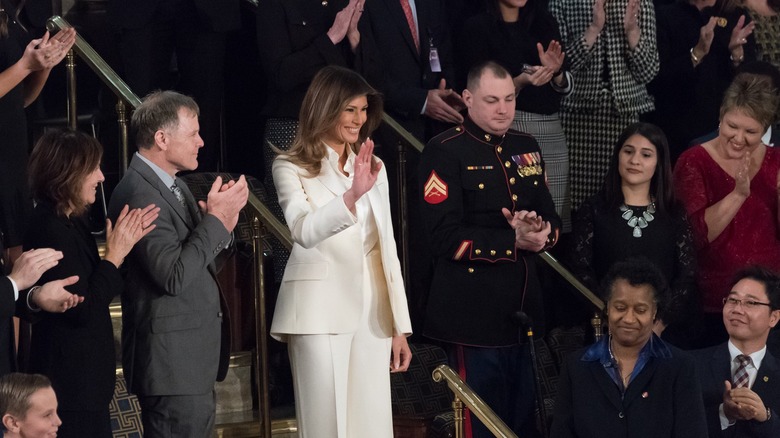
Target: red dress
752	237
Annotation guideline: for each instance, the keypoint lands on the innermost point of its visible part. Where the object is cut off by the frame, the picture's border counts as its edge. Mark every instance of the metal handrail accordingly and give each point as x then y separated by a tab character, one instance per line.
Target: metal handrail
464	395
97	63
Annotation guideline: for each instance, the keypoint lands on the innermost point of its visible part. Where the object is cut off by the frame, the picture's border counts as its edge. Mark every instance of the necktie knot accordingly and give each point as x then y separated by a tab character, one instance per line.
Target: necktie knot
179	195
741	377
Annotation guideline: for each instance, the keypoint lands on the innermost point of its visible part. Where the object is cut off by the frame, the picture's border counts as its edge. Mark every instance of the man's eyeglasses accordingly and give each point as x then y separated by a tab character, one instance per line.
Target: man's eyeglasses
747	304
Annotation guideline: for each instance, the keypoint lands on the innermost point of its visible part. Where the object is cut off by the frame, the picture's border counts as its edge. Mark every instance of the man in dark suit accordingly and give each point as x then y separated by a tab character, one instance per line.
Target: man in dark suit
412	56
175	337
51	297
739	378
152	31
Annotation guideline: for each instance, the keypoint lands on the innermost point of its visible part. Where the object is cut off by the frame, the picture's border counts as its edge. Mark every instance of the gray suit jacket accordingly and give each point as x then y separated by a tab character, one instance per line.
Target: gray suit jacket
174	341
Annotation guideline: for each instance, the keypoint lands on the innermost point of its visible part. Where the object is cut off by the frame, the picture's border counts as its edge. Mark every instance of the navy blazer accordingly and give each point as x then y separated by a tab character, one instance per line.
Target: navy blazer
714	369
664	400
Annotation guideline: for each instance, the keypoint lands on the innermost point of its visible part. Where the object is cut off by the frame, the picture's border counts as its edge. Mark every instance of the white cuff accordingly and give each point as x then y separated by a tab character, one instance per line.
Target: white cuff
16	288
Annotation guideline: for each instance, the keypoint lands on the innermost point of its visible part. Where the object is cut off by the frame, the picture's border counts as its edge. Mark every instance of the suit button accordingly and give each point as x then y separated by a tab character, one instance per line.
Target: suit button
620	414
477	251
471	270
492	252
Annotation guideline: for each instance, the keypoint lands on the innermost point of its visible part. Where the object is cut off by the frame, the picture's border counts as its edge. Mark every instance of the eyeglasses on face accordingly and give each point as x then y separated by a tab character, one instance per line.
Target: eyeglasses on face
747	304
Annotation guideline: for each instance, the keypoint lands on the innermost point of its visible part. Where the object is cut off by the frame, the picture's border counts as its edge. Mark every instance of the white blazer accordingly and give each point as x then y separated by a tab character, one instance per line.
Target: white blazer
321	291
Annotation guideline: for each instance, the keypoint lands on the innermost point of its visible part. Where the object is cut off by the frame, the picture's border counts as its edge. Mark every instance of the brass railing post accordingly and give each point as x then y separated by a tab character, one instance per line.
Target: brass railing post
261	342
596	323
70	68
457	410
403	215
121	118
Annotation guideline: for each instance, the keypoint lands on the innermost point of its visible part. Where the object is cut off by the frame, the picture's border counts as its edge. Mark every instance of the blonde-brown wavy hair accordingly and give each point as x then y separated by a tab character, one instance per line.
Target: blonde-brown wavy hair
754	95
328	95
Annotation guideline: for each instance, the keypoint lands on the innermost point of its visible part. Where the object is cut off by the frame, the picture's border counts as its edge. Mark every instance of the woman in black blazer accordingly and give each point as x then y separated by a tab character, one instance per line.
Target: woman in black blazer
75	349
630	383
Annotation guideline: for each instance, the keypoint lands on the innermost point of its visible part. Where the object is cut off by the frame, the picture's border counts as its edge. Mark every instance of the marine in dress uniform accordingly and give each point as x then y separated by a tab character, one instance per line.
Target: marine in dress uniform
481	279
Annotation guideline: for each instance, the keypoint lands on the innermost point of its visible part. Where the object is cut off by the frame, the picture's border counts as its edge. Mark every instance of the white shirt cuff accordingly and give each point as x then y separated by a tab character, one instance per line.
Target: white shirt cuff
16	288
724	421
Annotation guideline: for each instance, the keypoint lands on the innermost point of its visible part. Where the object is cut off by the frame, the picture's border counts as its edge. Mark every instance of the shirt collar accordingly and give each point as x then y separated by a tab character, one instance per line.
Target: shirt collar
757	357
333	159
599	351
480	134
168	180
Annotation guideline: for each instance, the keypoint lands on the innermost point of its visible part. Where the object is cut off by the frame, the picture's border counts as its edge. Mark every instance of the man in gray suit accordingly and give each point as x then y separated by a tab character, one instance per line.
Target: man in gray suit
174	334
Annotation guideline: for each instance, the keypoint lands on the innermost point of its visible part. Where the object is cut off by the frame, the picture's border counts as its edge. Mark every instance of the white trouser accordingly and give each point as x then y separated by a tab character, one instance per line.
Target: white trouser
342	381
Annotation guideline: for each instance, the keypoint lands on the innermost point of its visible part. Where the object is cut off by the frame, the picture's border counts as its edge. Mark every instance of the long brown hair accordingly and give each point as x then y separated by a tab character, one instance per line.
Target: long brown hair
59	162
329	93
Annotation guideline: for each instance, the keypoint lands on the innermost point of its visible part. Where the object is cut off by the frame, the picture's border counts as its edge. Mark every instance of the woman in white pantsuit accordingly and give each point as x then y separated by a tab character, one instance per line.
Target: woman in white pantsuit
342	306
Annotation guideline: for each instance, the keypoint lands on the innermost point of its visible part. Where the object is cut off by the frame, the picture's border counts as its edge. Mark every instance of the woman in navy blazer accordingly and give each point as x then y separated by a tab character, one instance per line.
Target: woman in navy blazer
342	306
631	383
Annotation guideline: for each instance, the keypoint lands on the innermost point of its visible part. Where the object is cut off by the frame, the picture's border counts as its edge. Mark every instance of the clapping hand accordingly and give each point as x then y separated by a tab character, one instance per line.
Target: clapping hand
552	57
131	226
531	231
706	34
29	267
45	53
444	104
739	36
343	21
631	23
742	177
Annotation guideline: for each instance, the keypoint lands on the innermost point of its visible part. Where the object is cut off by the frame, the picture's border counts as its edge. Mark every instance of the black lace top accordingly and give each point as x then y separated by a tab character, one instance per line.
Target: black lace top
602	236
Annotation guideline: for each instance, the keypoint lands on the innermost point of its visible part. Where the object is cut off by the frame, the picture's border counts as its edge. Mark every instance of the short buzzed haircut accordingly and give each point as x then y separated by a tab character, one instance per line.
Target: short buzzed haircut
476	73
158	110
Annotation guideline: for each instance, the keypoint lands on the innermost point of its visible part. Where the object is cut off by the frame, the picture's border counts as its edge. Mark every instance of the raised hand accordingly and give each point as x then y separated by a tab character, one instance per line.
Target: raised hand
225	201
338	30
353	35
631	23
551	58
365	174
131	226
738	38
706	34
540	76
742	177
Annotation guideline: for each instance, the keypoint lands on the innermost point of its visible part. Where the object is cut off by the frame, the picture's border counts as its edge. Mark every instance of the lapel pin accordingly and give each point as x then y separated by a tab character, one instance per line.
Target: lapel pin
645	394
766	379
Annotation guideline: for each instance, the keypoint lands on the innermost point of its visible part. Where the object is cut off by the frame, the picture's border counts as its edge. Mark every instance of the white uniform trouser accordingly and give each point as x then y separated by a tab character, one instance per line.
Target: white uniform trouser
342	381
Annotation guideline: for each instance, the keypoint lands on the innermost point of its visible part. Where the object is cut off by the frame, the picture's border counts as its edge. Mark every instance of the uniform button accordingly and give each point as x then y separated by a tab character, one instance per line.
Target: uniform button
477	251
303	23
509	252
492	252
481	186
512	180
514	197
471	270
487	137
536	183
620	414
324	2
507	163
457	129
499	149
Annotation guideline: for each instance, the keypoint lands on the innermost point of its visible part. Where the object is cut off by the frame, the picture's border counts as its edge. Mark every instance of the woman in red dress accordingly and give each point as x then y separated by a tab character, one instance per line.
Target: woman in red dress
730	187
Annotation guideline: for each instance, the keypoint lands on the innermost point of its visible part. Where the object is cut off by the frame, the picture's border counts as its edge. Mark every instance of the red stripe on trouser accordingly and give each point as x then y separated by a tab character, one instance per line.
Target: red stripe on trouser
462	374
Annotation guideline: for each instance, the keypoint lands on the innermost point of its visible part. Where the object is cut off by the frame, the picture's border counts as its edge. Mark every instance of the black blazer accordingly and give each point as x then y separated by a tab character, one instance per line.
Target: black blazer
216	15
75	349
664	400
7	307
403	75
714	369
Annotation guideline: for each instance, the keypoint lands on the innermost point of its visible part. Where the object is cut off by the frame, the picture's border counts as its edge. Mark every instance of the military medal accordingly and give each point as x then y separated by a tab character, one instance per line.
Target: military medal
528	164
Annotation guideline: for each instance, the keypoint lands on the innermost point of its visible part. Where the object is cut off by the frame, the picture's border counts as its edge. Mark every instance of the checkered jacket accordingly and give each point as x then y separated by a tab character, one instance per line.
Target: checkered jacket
609	74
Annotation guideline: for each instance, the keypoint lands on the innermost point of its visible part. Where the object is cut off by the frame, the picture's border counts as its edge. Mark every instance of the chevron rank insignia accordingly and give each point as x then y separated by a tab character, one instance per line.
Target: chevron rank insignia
435	189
